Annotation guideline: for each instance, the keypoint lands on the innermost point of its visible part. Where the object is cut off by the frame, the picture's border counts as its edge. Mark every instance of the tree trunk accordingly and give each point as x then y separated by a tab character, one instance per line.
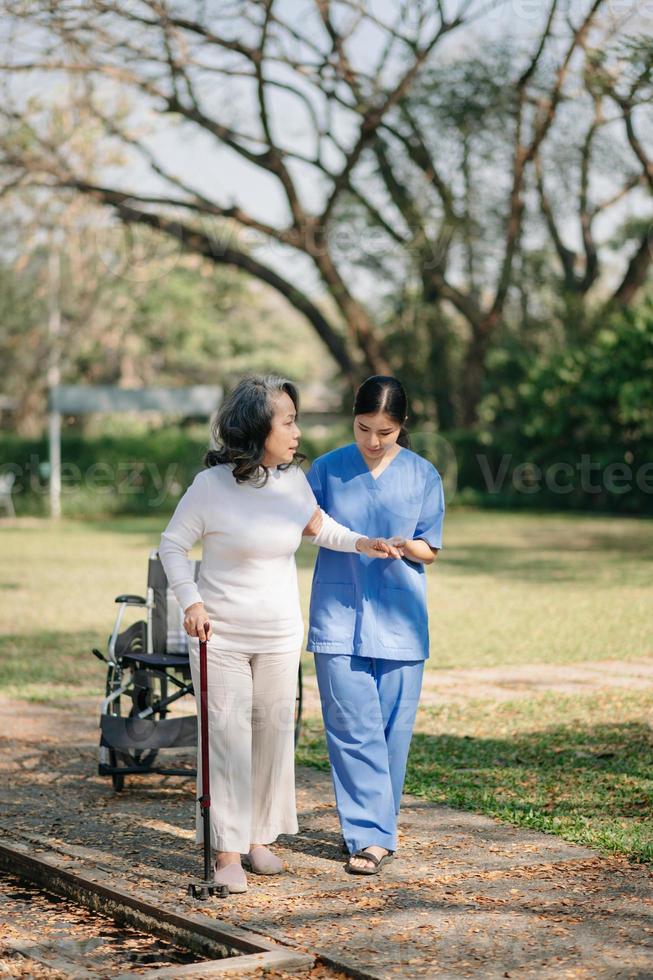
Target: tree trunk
439	372
471	387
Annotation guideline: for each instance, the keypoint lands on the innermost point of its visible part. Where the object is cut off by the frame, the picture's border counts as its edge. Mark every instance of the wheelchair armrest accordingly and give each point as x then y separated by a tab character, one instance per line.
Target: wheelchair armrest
131	600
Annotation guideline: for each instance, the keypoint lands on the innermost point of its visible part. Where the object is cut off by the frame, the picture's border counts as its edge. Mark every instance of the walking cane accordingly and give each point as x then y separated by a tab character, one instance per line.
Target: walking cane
206	888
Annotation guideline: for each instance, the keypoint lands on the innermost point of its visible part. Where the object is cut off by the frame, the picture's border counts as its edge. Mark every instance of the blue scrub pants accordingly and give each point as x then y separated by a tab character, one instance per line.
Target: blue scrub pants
368	707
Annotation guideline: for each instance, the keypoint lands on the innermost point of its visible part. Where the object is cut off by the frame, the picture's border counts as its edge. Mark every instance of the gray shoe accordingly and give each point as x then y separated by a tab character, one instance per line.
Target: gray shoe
233	876
264	862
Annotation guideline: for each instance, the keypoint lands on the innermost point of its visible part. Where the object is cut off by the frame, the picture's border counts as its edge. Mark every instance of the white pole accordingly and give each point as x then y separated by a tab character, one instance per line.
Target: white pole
54	378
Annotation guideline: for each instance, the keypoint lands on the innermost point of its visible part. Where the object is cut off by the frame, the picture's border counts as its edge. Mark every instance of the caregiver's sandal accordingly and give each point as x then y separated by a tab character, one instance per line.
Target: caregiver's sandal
369	860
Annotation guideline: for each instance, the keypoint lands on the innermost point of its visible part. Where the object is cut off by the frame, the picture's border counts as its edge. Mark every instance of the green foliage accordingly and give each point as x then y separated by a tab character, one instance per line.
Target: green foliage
592	401
138	473
128	467
588	395
134	315
203	324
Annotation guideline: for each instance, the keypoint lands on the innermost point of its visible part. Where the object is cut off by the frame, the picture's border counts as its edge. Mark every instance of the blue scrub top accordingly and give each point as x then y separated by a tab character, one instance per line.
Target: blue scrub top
371	607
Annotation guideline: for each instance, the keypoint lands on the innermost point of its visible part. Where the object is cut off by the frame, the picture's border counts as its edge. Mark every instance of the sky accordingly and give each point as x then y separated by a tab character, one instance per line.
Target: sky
232	178
229	179
223	172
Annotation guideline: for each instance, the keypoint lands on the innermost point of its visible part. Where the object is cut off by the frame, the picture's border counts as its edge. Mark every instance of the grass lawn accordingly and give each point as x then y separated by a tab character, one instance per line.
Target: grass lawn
508	589
579	767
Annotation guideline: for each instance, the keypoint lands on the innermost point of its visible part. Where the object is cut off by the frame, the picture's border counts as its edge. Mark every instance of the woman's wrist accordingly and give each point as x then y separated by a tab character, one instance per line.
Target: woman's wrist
417	550
193	605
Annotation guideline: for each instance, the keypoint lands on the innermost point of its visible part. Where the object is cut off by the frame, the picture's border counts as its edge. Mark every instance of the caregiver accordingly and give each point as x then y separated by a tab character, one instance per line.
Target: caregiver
250	507
368	620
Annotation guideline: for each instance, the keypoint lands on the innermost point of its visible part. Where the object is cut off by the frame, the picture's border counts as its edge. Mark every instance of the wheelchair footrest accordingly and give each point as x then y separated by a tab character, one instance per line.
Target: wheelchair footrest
129	734
104	770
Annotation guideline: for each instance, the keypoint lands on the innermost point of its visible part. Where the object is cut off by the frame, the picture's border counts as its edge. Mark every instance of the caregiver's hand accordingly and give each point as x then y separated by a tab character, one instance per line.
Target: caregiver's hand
398	543
415	549
195	618
377	548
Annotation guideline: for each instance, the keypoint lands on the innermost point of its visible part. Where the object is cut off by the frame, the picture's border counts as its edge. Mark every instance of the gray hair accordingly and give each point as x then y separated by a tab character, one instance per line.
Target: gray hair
243	423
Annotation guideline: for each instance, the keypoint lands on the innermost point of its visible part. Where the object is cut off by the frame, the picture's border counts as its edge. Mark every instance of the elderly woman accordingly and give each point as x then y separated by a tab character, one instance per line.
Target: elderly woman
249	507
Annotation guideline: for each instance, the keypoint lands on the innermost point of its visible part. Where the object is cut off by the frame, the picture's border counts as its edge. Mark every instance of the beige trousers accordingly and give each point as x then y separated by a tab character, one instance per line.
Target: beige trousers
251	699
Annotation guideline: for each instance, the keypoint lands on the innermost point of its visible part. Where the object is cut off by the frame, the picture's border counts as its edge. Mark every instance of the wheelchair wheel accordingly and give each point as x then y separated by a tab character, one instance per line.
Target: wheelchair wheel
143	697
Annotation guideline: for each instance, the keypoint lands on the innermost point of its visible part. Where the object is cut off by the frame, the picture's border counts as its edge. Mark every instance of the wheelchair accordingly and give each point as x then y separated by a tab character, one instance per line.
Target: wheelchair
148	670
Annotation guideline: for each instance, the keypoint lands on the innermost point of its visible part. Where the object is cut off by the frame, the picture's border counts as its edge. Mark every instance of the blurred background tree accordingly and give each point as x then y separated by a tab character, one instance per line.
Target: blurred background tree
176	320
431	196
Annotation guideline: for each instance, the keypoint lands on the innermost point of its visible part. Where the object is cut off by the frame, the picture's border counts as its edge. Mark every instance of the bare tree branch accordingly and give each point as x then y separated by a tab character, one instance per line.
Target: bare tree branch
566	255
374	115
524	153
636	273
636	144
633	181
196	242
418	152
585	213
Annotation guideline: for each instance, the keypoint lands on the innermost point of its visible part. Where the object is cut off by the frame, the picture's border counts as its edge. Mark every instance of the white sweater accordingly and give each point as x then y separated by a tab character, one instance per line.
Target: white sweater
248	577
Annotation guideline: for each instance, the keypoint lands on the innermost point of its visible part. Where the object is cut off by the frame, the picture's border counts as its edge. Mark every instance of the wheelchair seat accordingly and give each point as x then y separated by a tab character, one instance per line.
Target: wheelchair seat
156	659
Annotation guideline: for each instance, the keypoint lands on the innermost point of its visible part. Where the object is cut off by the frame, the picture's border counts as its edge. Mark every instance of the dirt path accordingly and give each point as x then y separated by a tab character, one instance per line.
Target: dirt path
466	897
525	680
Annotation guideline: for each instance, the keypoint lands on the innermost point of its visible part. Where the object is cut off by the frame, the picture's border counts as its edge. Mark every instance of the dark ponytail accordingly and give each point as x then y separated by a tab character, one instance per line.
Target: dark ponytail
381	393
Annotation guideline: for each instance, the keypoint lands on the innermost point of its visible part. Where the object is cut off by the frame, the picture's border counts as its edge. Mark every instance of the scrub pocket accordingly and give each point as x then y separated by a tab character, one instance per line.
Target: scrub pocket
333	612
407	506
402	622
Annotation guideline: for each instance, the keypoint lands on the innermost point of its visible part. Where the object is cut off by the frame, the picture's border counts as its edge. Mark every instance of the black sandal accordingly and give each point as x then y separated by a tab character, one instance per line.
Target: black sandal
377	863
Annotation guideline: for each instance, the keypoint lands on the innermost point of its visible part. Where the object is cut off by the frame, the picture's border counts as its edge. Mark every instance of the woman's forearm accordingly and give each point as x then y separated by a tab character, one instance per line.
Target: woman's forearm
417	549
331	534
323	531
179	571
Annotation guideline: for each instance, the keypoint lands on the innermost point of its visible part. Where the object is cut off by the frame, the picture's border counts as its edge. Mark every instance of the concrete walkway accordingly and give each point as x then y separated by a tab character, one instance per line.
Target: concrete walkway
466	897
